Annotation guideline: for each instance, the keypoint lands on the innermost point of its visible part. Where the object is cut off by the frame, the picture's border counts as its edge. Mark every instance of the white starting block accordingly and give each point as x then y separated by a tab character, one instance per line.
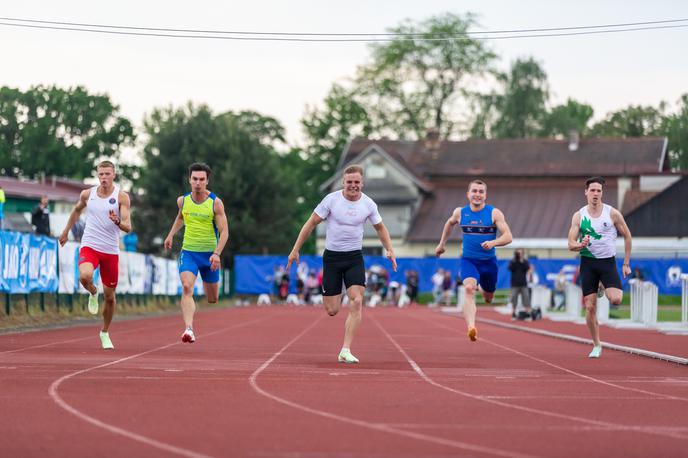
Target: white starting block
264	299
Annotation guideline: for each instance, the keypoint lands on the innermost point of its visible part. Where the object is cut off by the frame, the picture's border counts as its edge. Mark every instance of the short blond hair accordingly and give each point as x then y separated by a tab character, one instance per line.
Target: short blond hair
106	164
354	169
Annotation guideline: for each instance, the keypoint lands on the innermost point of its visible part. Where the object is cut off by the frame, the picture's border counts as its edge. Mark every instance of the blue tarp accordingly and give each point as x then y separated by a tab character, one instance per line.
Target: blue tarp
254	274
28	263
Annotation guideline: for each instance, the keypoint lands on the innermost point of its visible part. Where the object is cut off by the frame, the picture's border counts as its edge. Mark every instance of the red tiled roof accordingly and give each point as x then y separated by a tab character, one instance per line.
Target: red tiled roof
524	157
61	189
523	201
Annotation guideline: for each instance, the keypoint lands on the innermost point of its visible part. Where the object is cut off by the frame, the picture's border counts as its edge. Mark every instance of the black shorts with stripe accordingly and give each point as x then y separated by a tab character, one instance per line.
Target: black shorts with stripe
594	270
342	266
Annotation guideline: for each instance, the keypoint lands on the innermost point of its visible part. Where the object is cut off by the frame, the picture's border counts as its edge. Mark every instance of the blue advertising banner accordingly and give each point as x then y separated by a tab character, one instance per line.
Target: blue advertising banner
257	274
28	263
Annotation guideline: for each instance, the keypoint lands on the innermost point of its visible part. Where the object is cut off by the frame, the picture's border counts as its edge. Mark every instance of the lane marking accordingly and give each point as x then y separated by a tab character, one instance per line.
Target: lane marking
362	423
53	391
622	348
424	376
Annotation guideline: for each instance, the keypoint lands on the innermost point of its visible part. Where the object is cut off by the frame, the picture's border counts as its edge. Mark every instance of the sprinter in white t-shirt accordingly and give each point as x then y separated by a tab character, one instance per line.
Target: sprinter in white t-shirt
107	213
593	233
346	212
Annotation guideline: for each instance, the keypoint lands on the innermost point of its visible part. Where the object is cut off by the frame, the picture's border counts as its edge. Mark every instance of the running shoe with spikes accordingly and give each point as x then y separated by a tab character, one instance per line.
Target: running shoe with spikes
105	341
345	356
93	304
473	334
188	336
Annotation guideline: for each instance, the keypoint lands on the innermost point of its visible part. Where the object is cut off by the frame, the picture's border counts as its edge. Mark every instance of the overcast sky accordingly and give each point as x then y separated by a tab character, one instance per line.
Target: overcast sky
607	71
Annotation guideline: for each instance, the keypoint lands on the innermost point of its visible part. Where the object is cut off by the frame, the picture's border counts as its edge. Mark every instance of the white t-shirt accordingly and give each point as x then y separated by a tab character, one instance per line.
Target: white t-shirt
345	220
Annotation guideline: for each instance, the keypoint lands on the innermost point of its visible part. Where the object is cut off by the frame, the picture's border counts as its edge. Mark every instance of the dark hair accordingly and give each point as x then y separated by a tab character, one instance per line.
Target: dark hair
592	180
200	167
477	181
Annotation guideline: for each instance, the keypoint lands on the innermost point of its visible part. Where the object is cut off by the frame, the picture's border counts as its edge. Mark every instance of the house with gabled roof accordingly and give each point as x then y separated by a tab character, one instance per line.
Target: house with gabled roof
538	183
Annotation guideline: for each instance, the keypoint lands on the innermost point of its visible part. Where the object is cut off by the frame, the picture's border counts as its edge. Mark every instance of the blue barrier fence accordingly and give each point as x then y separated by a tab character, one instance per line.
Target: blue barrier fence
254	274
28	263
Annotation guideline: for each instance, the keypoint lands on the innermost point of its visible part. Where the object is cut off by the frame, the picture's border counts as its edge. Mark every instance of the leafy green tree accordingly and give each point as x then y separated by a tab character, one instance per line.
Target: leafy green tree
55	131
247	175
634	121
676	128
521	108
266	129
562	119
418	80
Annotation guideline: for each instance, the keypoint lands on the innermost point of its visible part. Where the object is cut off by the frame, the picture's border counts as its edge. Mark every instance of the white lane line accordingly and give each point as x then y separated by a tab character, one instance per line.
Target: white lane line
79	339
572	372
365	424
612	346
424	376
53	391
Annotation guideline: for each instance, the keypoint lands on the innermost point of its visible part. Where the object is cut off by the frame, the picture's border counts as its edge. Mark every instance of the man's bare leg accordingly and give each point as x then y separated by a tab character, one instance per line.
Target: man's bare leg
353	321
469	307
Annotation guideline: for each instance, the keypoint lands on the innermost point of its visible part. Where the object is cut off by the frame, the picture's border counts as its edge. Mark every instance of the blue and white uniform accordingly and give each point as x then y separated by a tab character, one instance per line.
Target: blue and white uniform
476	262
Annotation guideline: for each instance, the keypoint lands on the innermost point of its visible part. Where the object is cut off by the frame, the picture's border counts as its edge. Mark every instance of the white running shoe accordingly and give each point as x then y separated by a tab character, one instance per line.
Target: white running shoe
345	356
105	341
188	336
93	304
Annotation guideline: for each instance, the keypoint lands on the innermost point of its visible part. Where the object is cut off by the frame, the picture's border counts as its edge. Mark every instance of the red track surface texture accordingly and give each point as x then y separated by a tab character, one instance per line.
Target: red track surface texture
264	382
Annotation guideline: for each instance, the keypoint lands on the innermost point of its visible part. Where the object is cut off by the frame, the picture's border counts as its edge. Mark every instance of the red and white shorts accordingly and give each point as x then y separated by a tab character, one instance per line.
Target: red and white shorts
109	264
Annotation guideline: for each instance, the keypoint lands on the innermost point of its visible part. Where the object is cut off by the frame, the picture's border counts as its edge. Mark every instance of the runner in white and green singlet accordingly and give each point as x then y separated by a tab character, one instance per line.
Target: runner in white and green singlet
593	233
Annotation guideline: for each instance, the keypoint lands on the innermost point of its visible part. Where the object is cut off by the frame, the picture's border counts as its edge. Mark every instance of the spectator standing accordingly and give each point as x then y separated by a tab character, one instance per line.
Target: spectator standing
412	285
519	267
40	217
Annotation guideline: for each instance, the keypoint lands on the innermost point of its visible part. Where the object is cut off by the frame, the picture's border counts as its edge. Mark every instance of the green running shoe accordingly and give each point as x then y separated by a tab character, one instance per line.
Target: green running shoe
93	304
105	341
345	356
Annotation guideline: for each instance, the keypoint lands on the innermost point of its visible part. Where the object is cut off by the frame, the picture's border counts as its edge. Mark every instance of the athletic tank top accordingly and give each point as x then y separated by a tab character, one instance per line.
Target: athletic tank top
101	233
477	227
200	233
602	233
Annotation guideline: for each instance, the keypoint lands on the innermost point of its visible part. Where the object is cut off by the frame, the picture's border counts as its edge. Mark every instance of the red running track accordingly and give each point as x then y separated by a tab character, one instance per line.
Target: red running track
264	382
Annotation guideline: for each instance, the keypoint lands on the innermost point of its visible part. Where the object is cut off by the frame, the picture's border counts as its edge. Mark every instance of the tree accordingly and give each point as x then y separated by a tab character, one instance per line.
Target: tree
520	109
417	80
54	131
246	175
634	121
676	129
562	119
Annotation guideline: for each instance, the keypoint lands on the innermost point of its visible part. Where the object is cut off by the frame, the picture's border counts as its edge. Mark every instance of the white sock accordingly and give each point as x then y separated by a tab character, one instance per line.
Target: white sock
345	349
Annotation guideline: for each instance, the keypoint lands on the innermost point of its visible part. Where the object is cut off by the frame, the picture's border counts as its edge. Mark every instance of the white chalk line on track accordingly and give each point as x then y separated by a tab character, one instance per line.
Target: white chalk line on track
572	372
94	337
612	346
54	394
365	424
615	426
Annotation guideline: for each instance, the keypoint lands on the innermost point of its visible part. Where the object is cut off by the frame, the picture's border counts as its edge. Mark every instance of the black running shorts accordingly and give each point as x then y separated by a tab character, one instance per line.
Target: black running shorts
342	266
593	271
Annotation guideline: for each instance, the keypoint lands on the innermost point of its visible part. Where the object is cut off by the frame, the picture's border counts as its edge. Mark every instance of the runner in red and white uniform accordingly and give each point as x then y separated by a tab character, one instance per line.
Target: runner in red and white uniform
107	213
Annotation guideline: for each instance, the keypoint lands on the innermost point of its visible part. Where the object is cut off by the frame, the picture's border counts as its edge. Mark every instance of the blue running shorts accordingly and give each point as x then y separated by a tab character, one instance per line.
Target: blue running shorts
198	261
483	270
